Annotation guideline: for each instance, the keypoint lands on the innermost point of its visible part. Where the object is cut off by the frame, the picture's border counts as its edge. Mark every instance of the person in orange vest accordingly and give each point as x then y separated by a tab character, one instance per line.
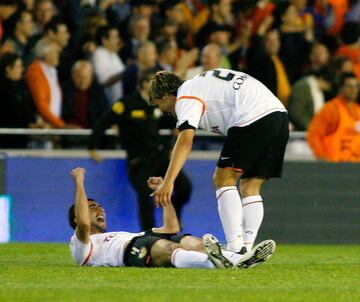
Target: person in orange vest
334	132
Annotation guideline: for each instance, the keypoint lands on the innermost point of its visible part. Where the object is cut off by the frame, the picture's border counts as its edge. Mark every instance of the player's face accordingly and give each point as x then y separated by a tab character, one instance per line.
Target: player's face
97	215
166	104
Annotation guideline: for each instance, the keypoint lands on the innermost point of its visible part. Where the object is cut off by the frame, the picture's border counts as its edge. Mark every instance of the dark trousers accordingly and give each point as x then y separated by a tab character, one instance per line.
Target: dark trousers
139	170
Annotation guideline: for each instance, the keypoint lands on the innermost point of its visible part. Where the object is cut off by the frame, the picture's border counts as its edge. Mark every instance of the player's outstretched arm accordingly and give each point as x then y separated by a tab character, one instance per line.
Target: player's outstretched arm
170	220
179	156
82	216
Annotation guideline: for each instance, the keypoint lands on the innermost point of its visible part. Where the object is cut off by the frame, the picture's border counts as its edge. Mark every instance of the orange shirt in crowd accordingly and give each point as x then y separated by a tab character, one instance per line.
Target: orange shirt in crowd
41	93
354	54
334	132
340	9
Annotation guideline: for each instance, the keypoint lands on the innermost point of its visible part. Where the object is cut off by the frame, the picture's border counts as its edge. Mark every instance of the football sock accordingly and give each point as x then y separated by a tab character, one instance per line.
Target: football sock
190	259
230	212
253	213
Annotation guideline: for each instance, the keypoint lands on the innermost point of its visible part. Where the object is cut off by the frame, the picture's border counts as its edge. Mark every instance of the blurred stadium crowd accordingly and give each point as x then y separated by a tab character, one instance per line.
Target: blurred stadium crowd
64	63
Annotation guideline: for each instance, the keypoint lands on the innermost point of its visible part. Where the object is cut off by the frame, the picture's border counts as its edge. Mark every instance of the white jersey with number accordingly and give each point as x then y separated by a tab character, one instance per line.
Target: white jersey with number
105	249
219	99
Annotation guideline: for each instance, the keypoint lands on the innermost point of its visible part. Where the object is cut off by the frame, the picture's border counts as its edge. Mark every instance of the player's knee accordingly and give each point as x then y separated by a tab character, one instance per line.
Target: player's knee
191	243
250	187
220	181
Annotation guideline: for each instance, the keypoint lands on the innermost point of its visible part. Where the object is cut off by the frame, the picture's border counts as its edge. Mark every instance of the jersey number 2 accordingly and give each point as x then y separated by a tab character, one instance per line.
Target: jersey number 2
216	74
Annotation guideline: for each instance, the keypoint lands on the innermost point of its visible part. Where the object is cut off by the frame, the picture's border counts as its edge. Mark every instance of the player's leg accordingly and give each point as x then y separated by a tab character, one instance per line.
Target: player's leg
191	243
138	176
229	206
165	253
227	259
273	131
253	209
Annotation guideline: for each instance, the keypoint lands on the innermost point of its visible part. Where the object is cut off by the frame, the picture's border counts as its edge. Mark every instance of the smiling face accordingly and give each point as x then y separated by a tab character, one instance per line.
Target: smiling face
97	217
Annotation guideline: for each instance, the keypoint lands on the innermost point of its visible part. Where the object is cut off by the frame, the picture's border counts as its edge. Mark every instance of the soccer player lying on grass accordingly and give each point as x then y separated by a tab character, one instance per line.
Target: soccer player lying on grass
91	245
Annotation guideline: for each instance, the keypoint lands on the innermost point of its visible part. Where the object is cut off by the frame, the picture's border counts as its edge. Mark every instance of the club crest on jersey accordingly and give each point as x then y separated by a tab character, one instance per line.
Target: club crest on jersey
142	253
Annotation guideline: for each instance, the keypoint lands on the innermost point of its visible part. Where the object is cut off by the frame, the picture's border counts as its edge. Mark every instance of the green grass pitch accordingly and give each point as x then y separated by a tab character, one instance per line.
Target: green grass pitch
44	272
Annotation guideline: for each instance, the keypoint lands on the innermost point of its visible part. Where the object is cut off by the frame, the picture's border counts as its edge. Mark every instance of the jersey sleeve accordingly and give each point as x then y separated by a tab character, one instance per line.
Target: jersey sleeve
188	110
81	252
190	104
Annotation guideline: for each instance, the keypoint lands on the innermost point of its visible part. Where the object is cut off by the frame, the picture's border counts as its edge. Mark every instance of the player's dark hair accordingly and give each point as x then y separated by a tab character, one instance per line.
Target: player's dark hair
71	214
164	82
344	76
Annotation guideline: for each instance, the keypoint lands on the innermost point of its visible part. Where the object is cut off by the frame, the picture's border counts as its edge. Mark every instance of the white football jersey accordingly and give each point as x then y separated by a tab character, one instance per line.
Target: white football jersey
219	99
105	249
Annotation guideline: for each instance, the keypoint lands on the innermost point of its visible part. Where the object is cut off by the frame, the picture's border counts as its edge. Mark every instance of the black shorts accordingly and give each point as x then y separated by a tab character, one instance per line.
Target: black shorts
138	251
257	150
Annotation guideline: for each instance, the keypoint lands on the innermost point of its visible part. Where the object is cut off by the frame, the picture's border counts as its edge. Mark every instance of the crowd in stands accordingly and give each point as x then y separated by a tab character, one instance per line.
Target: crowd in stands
64	63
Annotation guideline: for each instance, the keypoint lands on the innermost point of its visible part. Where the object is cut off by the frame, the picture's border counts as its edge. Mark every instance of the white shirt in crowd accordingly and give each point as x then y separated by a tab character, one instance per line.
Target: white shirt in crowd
316	92
105	249
219	99
51	76
106	65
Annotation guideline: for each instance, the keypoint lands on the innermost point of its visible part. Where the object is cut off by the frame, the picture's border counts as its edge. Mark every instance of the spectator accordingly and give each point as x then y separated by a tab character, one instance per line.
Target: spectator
210	59
87	40
169	59
220	15
7	9
308	97
297	36
341	65
44	12
265	62
167	52
107	64
24	29
350	36
334	133
319	57
57	30
174	11
139	28
83	99
42	80
17	110
146	58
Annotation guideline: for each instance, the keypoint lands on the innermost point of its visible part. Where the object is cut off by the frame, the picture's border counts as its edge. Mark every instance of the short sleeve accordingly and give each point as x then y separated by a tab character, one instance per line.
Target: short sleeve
81	252
189	109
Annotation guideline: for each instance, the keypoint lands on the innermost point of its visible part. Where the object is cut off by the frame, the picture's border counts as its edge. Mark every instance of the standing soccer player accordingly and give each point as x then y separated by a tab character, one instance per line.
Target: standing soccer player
255	124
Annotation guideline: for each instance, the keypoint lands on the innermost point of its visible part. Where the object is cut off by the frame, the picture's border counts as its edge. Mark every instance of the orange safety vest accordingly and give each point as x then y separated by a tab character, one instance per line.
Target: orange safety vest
344	143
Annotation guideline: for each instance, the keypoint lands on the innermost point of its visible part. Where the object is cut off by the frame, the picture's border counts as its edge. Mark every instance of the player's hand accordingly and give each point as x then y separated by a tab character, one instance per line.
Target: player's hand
95	156
163	194
78	174
154	182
